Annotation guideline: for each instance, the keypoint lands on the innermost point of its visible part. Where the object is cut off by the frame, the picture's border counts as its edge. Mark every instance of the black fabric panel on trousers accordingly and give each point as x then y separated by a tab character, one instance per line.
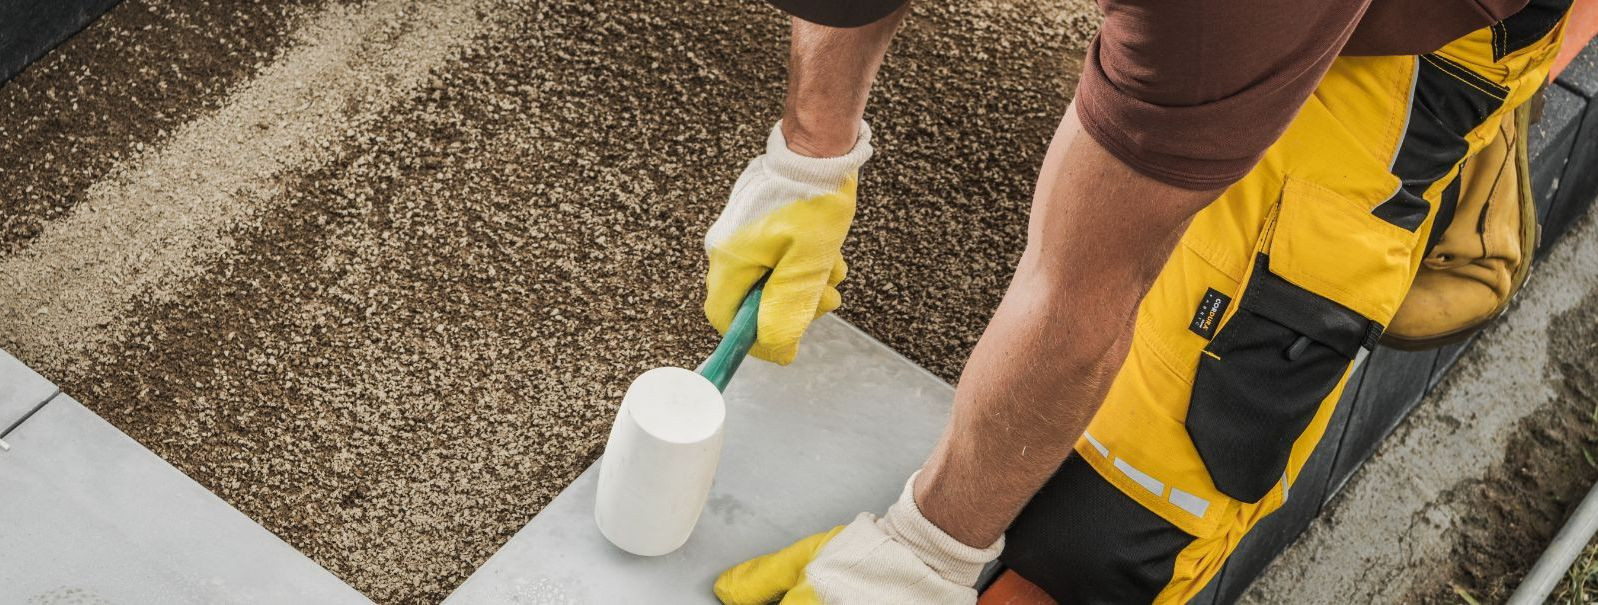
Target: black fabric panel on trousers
1527	26
1450	101
1083	541
1261	380
1406	208
1445	212
839	13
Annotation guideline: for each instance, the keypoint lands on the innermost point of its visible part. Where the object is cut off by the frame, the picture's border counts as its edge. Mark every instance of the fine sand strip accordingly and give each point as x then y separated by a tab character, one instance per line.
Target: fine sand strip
151	223
1391	535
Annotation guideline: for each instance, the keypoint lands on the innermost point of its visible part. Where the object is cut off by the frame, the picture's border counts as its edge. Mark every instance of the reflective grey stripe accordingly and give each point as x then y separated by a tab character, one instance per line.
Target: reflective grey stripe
1285	486
1193	504
1409	112
1144	479
1103	451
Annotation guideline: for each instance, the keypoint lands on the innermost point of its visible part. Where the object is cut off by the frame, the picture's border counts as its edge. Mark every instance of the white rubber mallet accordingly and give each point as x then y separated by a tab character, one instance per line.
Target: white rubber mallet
664	446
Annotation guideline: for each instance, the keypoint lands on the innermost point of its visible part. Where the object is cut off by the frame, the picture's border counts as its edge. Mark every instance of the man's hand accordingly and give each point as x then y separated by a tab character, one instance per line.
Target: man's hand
900	558
787	217
791	208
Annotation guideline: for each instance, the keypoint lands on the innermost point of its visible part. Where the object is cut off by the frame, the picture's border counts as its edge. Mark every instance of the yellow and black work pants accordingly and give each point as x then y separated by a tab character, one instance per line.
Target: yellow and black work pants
1243	345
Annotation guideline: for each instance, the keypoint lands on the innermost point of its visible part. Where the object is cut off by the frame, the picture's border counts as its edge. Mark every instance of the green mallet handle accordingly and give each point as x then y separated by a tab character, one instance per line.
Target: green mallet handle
735	345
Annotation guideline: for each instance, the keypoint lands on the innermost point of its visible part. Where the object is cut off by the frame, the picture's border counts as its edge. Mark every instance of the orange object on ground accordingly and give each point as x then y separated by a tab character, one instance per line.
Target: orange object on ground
1012	589
1581	28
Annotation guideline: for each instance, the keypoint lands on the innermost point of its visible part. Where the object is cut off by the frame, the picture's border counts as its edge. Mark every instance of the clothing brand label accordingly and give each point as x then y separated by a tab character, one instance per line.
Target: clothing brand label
1209	313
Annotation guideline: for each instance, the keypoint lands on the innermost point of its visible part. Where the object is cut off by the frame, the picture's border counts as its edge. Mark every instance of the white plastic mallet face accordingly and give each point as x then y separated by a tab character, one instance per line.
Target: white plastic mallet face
657	468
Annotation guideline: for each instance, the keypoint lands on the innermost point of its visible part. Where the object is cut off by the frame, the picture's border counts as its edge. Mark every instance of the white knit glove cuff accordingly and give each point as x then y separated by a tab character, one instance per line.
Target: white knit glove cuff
821	173
954	560
782	176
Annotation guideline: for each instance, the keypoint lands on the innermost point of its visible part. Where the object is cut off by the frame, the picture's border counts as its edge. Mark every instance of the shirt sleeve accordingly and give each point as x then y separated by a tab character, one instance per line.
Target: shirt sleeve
839	13
1192	93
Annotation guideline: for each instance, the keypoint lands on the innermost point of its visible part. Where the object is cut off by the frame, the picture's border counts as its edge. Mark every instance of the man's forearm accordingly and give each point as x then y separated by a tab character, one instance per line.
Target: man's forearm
1098	235
830	71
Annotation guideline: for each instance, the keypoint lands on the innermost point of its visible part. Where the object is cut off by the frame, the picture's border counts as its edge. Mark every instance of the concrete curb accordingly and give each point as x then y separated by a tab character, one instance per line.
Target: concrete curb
30	28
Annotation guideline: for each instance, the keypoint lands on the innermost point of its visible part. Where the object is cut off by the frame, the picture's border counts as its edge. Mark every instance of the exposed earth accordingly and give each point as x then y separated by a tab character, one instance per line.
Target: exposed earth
1548	467
377	273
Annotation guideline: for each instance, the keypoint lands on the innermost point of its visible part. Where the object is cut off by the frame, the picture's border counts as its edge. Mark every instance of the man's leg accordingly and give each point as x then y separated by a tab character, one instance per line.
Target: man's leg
1099	234
1297	258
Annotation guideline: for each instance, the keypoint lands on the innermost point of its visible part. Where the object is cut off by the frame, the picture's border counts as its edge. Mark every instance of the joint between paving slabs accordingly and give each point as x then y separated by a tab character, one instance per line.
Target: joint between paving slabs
6	447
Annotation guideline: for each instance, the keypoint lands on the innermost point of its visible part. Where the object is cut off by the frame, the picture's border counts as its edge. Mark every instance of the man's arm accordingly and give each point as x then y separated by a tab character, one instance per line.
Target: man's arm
830	71
1098	235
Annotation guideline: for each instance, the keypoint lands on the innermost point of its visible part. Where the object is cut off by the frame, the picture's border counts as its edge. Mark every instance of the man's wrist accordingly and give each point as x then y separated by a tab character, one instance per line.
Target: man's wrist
817	139
951	558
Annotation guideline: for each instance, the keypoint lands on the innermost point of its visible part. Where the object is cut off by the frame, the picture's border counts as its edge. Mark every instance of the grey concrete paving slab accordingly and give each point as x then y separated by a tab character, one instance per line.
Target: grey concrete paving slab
90	516
808	446
21	390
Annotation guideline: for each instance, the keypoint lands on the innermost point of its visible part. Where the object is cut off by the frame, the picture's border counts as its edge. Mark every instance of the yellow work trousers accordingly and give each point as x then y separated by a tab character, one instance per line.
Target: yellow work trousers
1277	290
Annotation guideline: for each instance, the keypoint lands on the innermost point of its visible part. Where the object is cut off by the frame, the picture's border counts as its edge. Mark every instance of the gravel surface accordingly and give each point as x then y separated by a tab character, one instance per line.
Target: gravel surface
391	316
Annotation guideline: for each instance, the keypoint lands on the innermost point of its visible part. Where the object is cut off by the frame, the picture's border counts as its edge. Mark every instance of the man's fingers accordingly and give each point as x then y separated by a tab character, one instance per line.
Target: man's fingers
726	283
788	306
768	577
830	298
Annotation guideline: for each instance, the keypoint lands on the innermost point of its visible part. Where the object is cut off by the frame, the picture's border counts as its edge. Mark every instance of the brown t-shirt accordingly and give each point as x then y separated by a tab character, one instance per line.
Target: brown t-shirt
1192	92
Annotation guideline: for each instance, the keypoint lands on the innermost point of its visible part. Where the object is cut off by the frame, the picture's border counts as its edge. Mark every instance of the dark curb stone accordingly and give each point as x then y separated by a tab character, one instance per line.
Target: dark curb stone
1305	497
1579	183
1551	141
1394	383
30	28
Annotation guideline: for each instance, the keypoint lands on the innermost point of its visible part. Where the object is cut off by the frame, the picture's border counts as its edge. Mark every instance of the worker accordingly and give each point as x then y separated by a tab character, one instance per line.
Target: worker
1227	220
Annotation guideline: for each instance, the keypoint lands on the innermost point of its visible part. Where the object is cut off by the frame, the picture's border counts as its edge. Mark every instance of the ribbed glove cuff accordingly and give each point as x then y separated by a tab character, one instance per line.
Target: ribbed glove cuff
952	559
822	173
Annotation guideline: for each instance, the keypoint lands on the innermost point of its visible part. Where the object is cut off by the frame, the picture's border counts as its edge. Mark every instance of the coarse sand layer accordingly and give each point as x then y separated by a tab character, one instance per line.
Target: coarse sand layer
383	292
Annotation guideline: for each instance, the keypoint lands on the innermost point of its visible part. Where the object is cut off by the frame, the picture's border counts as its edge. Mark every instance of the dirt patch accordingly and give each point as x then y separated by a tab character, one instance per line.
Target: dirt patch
118	87
396	349
1550	463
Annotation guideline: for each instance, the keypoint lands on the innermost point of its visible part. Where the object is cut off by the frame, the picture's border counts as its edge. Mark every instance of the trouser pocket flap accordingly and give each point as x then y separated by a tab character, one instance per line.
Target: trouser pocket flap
1261	380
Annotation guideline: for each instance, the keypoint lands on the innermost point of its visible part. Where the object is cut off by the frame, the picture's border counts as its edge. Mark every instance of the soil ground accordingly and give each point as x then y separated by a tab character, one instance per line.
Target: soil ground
377	273
123	83
1548	467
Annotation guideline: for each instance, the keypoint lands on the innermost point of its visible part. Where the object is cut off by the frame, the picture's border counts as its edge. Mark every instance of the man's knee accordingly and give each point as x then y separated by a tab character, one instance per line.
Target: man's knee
1083	541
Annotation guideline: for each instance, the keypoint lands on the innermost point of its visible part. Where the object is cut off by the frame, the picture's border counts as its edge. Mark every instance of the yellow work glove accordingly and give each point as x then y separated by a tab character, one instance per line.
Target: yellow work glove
900	558
787	216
